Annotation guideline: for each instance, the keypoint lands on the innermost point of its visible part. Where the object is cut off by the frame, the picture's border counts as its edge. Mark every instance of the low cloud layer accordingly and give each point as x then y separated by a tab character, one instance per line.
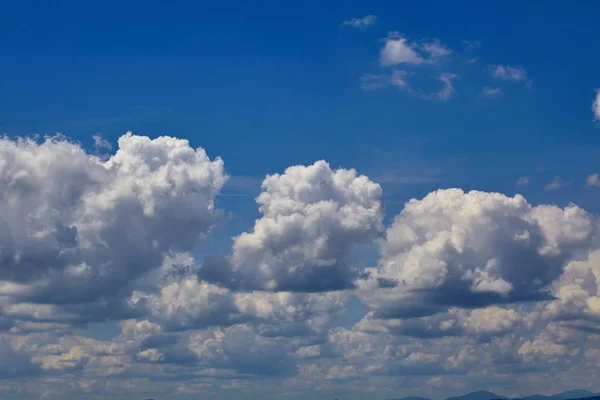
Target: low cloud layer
459	284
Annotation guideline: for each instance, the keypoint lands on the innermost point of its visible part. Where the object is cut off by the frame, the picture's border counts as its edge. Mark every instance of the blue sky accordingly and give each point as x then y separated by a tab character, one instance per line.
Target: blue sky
488	96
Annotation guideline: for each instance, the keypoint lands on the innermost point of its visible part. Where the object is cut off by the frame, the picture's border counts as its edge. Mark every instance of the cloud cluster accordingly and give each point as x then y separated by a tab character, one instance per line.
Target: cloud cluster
470	284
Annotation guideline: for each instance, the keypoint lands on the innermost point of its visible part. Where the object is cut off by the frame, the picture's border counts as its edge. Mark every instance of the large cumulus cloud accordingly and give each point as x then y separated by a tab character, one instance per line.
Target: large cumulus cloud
76	230
313	218
471	250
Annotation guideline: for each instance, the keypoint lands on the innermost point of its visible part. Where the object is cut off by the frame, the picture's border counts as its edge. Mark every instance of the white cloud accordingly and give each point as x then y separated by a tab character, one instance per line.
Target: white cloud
596	106
313	219
454	248
361	23
78	230
593	180
507	72
557	183
448	90
398	50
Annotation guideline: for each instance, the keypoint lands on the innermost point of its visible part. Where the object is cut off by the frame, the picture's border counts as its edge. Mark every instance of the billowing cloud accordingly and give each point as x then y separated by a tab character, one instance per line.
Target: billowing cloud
471	250
313	219
76	230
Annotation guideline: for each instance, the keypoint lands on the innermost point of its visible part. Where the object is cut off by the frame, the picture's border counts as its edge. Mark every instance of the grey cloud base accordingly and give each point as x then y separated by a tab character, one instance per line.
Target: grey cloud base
468	289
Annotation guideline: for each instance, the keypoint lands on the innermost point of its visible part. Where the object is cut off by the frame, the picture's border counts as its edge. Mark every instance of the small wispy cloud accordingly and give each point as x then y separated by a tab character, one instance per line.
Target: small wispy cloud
471	44
593	181
448	89
507	73
471	60
361	23
101	143
397	78
398	50
557	183
488	91
523	181
596	106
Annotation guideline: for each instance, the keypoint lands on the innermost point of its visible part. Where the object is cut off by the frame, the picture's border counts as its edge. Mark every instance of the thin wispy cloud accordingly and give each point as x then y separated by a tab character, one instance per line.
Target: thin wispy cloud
556	183
448	90
470	45
488	91
361	23
523	181
596	106
399	50
507	72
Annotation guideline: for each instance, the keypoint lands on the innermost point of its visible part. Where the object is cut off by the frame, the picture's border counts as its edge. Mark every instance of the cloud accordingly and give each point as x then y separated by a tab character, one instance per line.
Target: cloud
398	79
313	219
593	180
472	44
557	183
507	72
596	106
488	91
448	90
361	23
398	50
472	250
76	231
101	143
523	181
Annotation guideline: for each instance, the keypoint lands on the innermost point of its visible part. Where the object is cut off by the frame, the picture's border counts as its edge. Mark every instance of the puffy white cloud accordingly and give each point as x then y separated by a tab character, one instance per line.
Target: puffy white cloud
471	250
75	230
313	220
361	23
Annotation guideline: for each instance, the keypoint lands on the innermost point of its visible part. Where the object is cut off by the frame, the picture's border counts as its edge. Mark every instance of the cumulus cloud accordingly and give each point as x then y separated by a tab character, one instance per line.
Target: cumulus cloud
313	218
361	23
76	230
471	250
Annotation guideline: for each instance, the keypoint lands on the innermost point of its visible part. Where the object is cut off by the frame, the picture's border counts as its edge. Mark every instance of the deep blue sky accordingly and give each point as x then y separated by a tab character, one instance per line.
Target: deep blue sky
265	85
269	84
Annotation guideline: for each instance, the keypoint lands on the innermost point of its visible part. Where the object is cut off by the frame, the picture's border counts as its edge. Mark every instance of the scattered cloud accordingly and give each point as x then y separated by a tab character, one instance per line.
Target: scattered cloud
488	91
593	180
507	73
523	181
361	23
101	143
472	60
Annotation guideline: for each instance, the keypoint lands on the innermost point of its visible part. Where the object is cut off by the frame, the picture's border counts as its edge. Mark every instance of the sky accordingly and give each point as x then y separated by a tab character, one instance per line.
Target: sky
291	200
